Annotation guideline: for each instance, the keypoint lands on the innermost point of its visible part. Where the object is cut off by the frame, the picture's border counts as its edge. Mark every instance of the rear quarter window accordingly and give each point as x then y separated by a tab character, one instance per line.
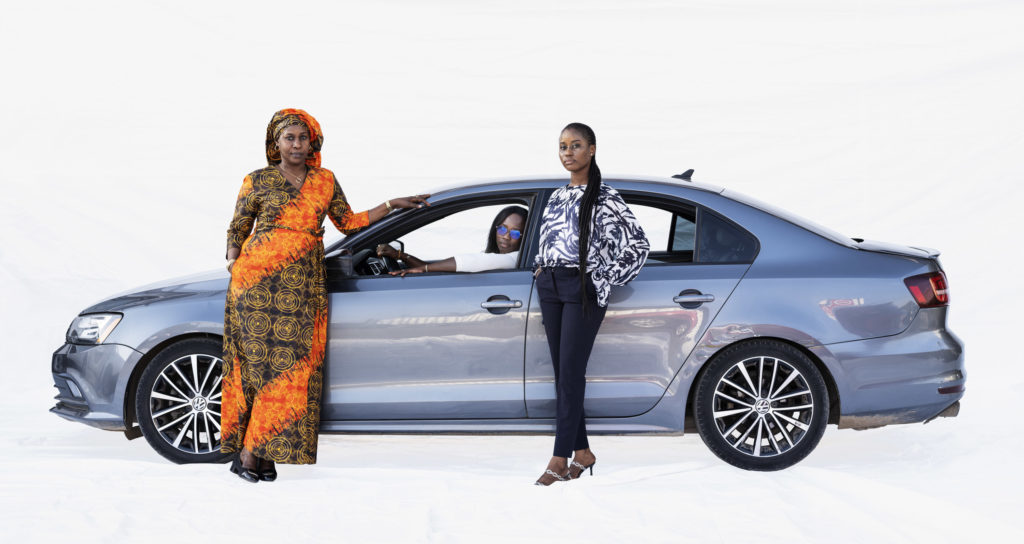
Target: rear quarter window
719	241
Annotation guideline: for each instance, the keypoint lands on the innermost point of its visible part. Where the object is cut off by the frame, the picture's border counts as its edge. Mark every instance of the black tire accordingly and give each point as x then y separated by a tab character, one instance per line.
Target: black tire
761	405
177	401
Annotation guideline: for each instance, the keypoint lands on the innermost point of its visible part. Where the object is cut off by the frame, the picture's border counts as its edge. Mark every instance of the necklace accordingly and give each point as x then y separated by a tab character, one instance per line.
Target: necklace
298	179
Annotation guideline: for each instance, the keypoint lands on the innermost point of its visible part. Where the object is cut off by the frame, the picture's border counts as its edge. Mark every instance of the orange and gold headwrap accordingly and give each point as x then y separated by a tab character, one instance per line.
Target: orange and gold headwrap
286	118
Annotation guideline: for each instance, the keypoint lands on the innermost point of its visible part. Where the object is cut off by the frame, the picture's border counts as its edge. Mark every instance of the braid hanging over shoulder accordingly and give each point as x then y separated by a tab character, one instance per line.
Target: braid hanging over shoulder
587	203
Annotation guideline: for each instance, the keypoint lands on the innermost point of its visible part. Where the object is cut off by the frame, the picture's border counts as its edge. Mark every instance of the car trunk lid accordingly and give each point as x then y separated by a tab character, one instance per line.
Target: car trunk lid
896	249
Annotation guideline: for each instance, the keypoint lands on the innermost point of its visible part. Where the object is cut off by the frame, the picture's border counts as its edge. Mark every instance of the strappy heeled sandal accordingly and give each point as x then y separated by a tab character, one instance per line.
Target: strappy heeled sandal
574	465
557	477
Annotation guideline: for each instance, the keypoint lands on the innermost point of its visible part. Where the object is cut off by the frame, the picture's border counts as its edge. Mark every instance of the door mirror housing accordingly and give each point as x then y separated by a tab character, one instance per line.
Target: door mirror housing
340	263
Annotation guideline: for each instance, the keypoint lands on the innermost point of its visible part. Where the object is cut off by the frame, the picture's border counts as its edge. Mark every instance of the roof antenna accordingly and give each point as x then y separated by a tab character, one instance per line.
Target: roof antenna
685	176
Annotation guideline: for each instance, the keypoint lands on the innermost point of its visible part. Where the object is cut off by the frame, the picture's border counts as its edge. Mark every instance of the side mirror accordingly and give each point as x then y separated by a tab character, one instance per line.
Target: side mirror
340	263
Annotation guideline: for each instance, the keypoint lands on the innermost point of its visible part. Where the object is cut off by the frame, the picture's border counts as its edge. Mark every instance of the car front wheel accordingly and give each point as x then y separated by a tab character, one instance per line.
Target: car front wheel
178	399
761	405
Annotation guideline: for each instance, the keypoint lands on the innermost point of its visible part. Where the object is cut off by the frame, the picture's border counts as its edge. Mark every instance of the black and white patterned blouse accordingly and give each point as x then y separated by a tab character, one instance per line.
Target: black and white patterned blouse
618	246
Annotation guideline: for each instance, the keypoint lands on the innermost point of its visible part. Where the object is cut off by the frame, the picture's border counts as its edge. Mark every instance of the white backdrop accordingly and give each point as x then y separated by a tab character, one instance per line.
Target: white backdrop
129	126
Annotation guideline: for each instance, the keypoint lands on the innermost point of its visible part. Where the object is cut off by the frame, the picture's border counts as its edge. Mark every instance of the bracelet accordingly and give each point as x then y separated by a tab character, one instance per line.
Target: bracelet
426	268
230	262
387	204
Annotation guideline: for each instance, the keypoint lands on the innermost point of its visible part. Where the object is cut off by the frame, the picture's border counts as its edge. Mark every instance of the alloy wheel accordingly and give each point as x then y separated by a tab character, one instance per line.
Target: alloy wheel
185	402
763	406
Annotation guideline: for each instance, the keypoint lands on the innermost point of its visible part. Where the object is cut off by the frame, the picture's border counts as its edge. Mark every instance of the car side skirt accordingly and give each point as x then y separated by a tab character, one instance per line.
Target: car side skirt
503	426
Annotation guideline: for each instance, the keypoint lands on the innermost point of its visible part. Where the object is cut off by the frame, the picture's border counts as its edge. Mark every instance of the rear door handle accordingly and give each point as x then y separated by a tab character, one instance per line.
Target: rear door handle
692	298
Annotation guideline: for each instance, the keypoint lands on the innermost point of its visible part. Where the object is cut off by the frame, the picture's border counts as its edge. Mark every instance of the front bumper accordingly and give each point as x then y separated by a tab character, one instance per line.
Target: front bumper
91	383
909	377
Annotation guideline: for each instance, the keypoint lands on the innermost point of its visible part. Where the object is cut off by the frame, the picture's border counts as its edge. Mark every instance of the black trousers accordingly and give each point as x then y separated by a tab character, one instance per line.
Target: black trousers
571	332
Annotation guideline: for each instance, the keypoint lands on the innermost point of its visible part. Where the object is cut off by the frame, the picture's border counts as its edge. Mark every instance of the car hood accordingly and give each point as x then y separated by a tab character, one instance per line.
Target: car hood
897	249
202	284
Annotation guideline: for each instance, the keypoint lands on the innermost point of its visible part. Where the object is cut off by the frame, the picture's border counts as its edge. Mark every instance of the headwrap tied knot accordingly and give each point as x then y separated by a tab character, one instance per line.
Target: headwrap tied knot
289	117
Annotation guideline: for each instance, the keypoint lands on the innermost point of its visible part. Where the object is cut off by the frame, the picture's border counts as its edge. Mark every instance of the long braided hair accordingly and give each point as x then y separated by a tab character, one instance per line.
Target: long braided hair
590	195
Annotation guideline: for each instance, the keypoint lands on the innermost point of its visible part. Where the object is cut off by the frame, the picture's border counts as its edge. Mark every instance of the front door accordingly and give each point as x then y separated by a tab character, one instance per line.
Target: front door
440	345
422	347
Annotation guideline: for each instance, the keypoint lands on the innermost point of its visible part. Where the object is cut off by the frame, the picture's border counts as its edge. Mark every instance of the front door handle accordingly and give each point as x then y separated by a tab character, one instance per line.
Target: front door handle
692	298
499	304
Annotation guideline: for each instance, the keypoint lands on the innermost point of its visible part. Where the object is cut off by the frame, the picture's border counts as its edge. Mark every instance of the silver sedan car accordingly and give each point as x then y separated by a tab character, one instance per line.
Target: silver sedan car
753	326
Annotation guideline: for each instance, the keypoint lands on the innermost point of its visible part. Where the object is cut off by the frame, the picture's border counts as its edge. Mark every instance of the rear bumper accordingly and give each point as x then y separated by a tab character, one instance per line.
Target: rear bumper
91	381
895	417
905	378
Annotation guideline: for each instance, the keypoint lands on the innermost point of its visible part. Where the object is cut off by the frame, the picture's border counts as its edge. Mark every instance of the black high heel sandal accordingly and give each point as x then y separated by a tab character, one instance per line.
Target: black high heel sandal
246	474
268	474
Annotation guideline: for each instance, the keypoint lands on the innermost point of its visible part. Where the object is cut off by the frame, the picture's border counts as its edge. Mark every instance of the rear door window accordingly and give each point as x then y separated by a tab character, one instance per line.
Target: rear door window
670	230
686	233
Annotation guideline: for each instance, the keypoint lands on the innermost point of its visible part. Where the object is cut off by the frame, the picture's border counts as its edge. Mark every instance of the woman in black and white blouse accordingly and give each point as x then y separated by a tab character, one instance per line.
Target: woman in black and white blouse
589	241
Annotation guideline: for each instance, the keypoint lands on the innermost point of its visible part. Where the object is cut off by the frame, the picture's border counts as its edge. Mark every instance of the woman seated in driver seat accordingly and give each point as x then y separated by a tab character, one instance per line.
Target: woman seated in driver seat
502	249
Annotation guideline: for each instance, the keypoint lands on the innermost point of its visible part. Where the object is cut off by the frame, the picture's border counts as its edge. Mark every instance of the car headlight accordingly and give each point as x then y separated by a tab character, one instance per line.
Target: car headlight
92	328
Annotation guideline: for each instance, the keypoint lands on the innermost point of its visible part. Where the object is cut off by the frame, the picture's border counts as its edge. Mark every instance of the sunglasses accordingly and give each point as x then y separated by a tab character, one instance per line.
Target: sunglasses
503	230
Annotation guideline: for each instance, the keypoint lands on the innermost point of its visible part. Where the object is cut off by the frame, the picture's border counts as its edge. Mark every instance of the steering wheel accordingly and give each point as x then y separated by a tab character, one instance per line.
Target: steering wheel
359	262
389	263
366	263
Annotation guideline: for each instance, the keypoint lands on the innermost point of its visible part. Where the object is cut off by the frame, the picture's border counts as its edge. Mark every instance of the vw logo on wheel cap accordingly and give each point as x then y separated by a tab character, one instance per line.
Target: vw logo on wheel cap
762	406
199	404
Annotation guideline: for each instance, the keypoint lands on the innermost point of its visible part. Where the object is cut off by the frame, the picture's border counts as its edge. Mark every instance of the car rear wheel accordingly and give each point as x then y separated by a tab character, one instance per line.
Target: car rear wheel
761	405
178	399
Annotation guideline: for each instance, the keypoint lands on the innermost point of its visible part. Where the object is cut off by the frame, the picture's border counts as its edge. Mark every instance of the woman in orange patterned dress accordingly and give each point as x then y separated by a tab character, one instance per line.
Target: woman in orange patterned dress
275	319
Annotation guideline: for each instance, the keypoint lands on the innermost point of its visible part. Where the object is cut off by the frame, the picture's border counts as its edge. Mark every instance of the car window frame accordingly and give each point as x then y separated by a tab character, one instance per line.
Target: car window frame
671	203
418	218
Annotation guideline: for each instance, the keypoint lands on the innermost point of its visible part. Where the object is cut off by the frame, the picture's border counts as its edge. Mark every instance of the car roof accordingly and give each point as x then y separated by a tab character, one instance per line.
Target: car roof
533	182
556	181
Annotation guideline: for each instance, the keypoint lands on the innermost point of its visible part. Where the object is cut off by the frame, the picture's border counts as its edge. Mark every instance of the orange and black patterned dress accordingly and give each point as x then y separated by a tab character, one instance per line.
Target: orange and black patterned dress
275	319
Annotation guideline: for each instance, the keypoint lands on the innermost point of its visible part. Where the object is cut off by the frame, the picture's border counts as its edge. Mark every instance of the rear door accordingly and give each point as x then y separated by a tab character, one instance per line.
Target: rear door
653	323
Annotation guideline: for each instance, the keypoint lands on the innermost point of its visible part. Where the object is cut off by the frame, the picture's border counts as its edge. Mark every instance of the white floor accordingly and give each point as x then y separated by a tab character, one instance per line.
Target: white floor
129	126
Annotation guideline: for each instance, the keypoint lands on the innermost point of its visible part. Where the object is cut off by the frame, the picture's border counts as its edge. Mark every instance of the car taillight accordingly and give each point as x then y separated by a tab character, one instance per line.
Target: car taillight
929	290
